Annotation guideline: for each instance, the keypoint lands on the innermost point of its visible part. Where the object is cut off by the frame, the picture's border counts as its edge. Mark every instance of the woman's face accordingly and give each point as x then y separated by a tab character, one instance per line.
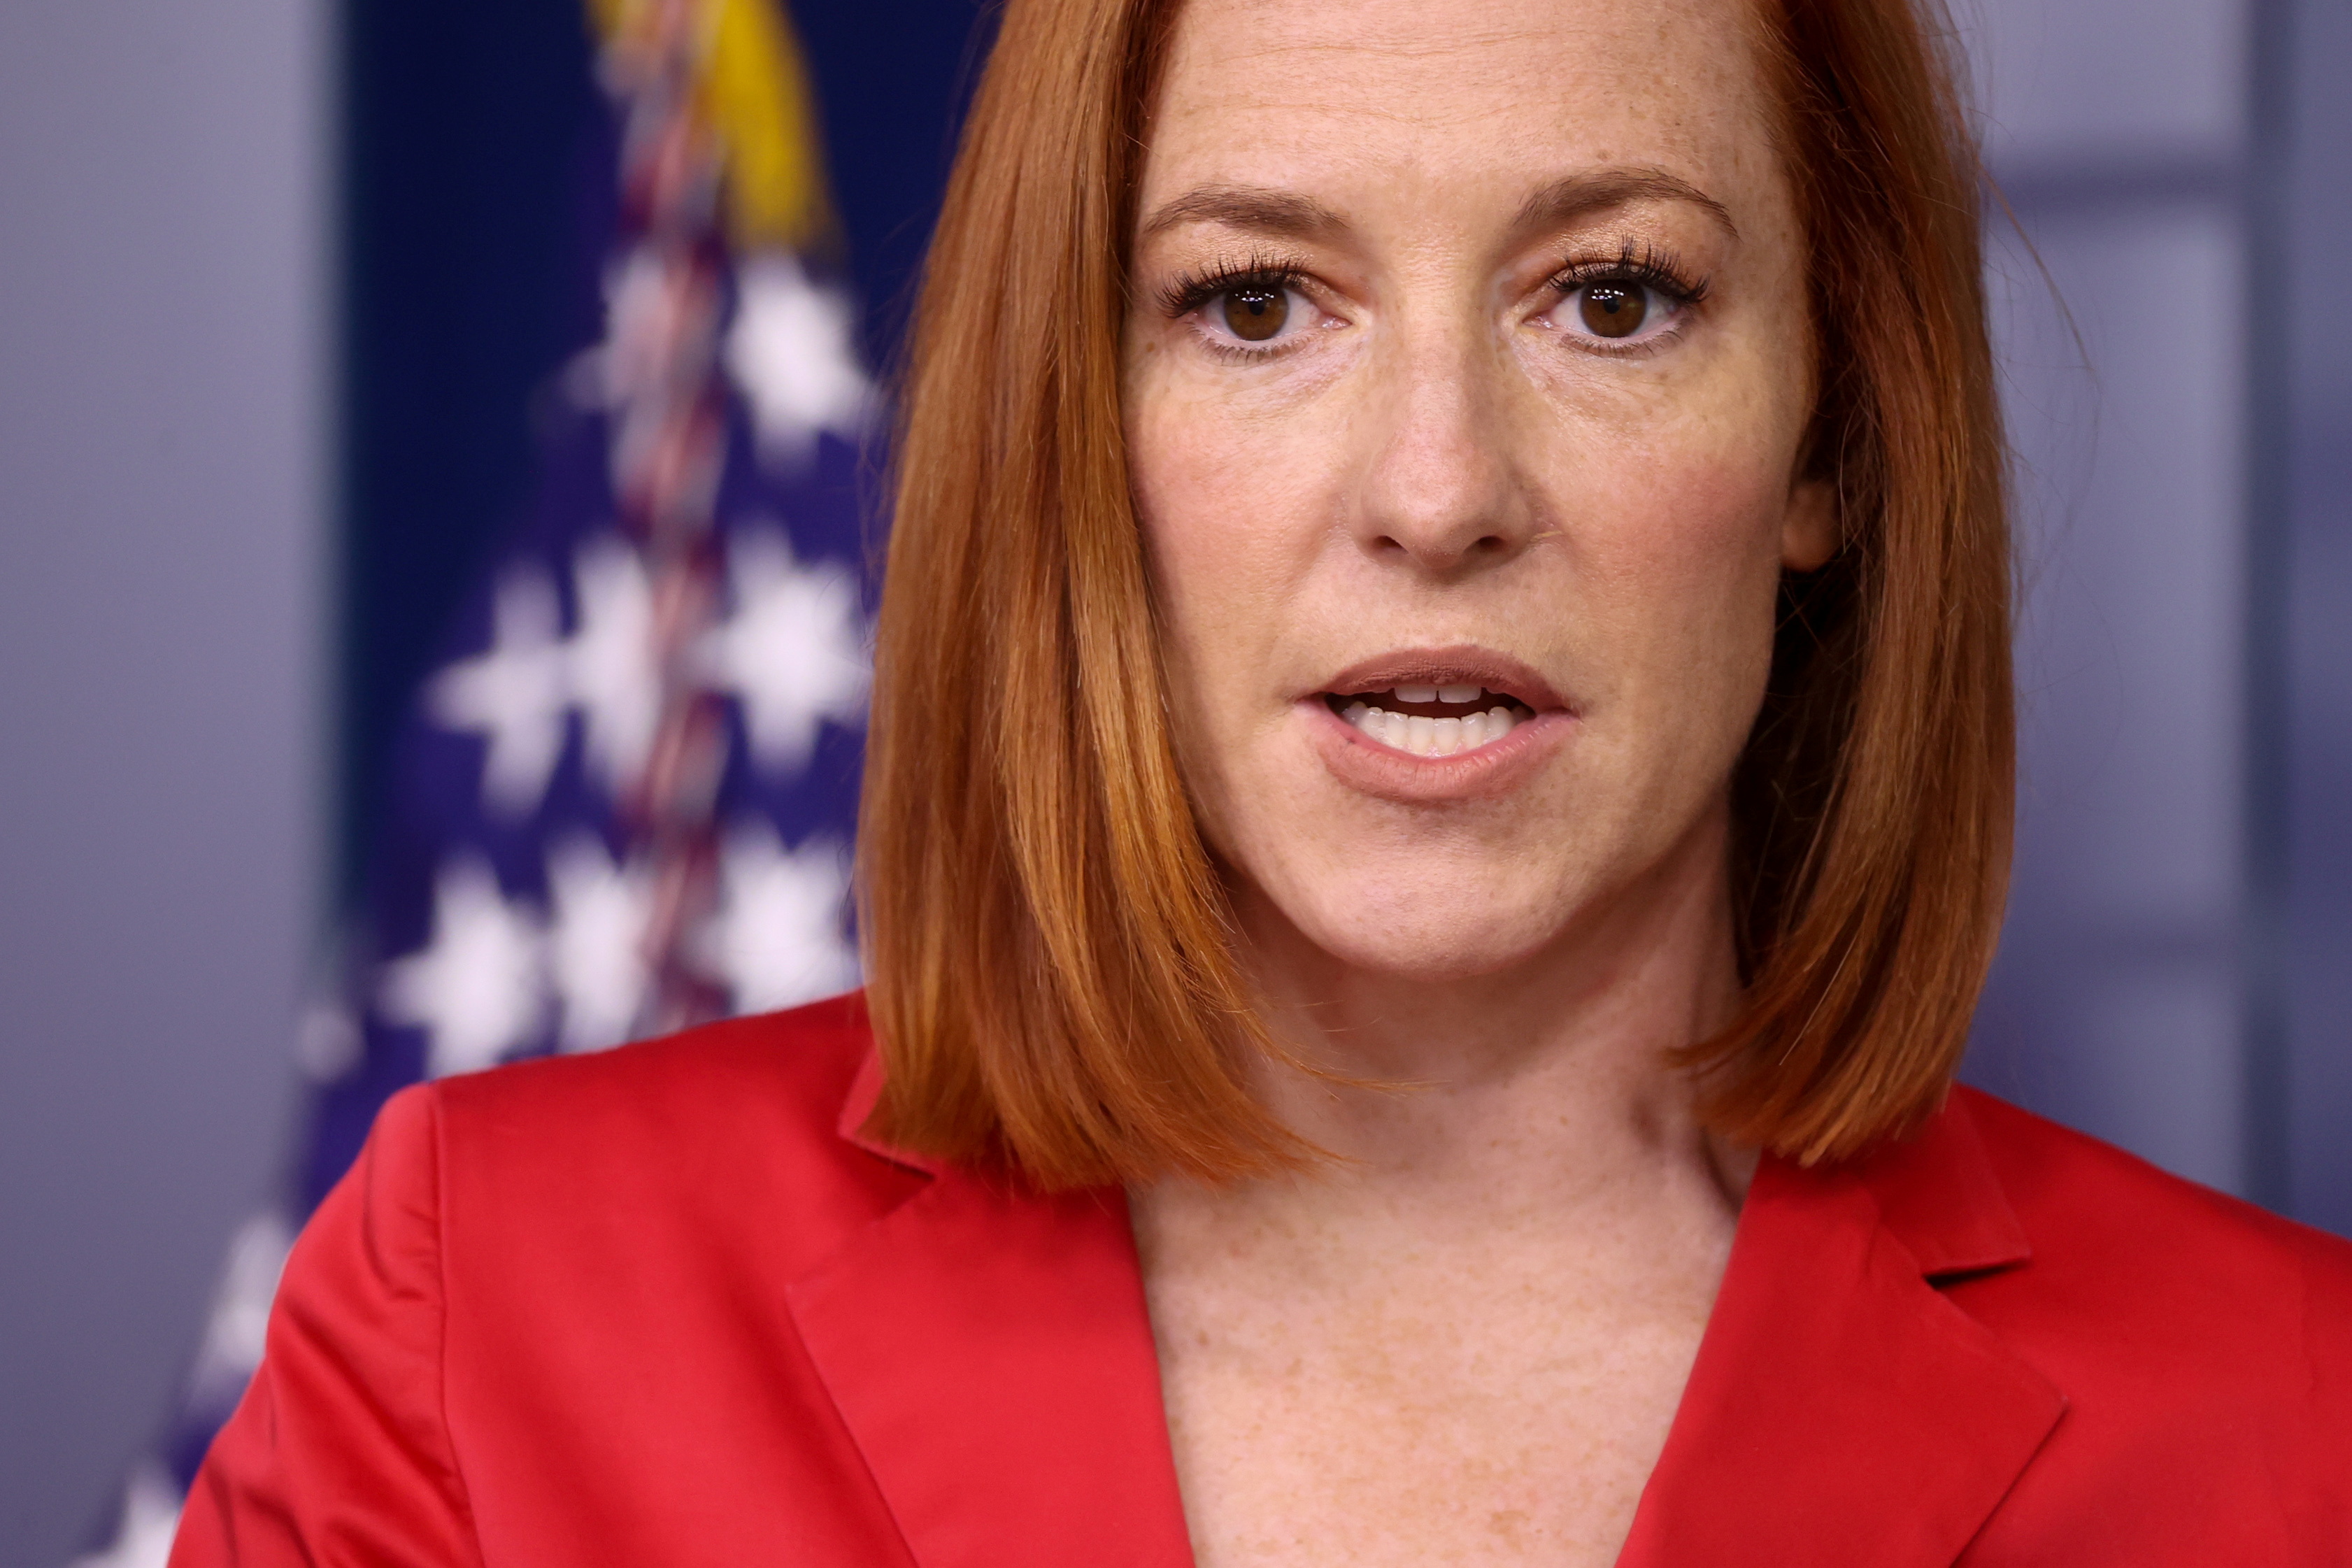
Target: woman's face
1466	375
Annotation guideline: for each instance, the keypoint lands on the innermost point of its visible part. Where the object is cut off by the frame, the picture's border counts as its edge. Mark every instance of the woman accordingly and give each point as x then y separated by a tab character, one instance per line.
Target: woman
1438	803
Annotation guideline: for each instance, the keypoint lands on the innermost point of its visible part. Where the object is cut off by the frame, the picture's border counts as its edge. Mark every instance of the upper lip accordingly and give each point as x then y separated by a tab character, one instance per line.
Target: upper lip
1467	665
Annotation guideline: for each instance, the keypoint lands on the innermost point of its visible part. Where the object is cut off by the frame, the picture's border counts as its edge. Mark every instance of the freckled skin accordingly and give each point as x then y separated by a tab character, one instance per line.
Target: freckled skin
1464	1344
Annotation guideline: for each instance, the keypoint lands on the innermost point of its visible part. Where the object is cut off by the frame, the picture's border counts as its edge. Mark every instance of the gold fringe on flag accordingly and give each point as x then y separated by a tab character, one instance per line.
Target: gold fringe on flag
753	93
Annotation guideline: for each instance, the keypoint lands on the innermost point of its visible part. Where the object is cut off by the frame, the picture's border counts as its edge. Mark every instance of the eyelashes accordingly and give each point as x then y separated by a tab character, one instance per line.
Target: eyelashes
1638	269
1189	291
1638	263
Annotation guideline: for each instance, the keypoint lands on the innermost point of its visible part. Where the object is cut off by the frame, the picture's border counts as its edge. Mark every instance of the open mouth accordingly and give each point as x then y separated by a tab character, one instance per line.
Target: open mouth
1431	720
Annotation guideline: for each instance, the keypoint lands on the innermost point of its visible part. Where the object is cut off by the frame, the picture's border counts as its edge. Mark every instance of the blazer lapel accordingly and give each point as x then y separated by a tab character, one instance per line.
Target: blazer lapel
990	1350
1841	1410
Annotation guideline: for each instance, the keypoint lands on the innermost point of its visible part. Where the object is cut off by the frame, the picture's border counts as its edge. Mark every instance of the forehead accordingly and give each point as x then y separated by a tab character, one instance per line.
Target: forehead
1431	96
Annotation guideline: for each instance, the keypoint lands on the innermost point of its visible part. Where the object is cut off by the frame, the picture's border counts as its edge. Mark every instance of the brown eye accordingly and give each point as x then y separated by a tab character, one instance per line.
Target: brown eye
1256	312
1613	310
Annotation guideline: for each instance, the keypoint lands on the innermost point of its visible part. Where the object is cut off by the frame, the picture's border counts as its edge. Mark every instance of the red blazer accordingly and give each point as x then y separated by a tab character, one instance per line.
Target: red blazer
665	1305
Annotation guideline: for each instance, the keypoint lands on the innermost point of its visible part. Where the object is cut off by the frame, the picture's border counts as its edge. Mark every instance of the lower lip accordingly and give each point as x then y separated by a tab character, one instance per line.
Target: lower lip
1494	769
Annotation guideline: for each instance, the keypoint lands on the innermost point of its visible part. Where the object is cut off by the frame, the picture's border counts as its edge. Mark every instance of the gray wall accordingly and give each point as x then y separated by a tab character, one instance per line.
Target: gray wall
2173	974
2120	1001
162	673
2315	667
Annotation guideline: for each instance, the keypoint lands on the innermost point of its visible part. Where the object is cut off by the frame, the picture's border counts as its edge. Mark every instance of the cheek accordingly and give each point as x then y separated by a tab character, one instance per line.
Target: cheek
1227	501
1701	531
1233	503
1680	551
1186	506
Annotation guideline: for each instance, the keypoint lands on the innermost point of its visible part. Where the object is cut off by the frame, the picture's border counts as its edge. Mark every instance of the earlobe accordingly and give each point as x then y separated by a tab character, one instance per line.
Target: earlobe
1809	532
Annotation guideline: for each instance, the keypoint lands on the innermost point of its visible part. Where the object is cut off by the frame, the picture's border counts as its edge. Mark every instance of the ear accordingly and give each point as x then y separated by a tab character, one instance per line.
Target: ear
1809	530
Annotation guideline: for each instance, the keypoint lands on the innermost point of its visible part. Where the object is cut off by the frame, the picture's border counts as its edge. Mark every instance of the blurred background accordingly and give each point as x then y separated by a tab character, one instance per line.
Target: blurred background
369	373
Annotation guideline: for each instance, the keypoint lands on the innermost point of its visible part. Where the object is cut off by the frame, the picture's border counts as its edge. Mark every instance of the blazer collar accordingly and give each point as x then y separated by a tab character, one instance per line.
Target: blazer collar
990	1350
1843	1410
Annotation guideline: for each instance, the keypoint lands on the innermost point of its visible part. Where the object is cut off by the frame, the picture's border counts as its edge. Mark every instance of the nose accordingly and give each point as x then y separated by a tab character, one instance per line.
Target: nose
1439	487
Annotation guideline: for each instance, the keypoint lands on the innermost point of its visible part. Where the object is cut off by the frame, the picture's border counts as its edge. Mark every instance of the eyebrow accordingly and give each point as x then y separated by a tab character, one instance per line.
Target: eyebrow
1580	195
1247	207
1561	201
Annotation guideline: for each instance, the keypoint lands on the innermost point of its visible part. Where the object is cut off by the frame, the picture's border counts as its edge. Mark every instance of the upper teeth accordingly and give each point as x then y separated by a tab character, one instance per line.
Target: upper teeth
1426	737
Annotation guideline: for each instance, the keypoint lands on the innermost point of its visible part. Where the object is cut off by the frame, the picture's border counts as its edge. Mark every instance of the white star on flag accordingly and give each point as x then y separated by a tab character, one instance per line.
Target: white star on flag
515	694
476	989
790	349
792	651
239	1321
150	1517
596	953
777	936
610	660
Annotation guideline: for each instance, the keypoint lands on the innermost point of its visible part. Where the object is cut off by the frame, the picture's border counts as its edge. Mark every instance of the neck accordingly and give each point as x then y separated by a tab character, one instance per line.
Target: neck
1546	1079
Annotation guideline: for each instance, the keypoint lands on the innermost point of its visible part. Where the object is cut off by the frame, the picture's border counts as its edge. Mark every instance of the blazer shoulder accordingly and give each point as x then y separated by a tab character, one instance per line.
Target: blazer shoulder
800	1064
733	1124
2168	1274
2071	1189
2203	1347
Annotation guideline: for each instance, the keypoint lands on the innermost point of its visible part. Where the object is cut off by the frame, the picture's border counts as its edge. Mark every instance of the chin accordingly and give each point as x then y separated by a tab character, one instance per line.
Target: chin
1366	927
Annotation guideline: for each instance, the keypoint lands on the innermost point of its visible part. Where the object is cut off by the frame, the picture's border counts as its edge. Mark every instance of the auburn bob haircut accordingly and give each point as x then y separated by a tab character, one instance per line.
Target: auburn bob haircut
1053	982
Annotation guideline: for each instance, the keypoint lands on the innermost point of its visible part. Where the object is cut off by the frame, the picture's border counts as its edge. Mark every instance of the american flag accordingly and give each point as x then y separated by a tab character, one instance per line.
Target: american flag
622	803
